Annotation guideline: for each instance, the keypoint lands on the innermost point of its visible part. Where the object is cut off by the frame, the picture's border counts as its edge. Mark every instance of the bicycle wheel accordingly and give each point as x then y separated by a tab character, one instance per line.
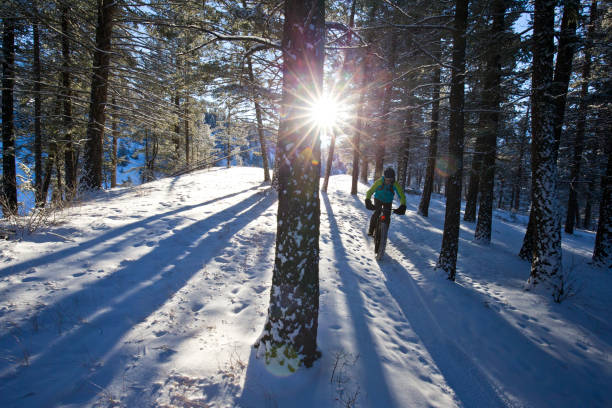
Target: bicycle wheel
376	236
384	229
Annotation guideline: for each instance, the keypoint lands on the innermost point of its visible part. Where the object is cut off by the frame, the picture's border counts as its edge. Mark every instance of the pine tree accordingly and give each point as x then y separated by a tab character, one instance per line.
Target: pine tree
546	261
290	331
9	169
92	178
450	237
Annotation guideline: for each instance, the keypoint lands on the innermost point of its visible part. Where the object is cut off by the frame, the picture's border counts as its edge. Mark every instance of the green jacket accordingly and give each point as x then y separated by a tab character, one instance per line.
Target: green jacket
385	193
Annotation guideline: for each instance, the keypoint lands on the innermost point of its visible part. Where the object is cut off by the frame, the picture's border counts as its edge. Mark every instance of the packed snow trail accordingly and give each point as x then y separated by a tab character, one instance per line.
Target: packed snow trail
163	289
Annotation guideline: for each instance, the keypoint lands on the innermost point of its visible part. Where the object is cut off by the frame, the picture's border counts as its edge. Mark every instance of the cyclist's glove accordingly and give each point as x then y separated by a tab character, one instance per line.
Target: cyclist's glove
369	204
401	210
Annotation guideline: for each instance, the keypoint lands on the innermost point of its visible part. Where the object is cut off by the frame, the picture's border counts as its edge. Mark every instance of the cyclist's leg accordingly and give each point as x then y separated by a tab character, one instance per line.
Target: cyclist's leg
374	219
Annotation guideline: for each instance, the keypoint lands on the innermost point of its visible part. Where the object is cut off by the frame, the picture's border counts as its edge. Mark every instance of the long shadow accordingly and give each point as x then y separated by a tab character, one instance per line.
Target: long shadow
375	384
56	256
156	277
485	361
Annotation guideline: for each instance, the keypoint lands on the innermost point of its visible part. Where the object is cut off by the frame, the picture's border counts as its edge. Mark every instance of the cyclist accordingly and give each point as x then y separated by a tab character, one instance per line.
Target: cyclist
384	190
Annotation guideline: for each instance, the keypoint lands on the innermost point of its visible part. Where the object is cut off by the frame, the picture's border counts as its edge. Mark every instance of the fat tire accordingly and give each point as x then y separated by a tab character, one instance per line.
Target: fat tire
384	229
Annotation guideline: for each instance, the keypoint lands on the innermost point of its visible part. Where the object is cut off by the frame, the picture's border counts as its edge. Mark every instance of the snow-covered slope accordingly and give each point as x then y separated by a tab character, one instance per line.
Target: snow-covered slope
155	295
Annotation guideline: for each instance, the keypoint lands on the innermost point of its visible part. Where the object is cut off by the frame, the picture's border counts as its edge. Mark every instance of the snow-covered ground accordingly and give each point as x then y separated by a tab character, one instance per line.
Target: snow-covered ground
153	296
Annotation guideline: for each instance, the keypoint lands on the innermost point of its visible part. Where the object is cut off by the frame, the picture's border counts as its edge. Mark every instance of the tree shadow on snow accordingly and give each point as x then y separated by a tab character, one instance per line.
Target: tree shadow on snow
138	287
113	233
486	361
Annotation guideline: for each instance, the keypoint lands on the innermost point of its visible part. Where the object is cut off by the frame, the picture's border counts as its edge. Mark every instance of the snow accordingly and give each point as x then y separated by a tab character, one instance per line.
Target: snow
155	295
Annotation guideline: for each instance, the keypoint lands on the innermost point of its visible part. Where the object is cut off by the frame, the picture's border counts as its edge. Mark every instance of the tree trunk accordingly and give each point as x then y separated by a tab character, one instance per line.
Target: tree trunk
330	161
177	127
432	150
572	204
9	168
471	201
115	136
92	178
404	156
290	331
450	237
546	263
364	170
260	129
66	95
381	140
519	171
563	70
186	122
602	253
38	170
492	105
357	133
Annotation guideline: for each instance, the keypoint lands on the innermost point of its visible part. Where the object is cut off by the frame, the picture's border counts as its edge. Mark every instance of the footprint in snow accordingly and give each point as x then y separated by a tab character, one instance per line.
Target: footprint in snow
239	308
221	260
76	275
196	307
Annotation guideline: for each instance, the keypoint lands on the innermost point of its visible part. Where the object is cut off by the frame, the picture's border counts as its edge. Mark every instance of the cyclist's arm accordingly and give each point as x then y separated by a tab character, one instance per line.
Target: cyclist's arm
400	193
372	189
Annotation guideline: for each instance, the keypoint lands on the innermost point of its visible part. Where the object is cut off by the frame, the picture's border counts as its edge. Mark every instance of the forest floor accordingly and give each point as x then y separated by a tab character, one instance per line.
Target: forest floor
153	295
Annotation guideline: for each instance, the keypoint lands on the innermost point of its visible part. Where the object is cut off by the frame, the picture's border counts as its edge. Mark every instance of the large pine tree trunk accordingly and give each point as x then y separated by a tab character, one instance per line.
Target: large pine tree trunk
290	331
9	169
602	253
492	105
38	170
563	70
260	129
572	205
66	95
432	150
450	237
546	262
92	179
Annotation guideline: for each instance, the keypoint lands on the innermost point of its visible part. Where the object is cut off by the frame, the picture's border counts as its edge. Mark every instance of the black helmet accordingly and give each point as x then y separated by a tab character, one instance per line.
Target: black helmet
389	173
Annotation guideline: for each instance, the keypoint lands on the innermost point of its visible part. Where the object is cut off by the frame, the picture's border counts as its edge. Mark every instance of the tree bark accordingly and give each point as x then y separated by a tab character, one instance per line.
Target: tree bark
546	262
492	106
387	75
364	170
432	150
92	179
38	170
563	70
572	204
450	237
330	161
186	124
519	171
66	95
9	168
471	201
260	129
290	331
115	136
602	252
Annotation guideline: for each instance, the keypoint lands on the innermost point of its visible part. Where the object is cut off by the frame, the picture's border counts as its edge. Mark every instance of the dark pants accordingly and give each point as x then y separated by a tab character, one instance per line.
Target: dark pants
378	207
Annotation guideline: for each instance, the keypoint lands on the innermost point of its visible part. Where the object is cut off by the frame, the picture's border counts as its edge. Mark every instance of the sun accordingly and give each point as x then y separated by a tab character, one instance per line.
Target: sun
328	115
